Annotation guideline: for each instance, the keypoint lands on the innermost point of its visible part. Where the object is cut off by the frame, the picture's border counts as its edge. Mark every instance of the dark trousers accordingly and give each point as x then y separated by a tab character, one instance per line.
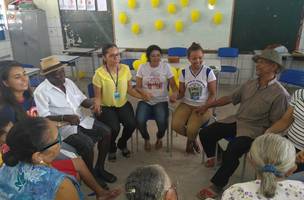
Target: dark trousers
158	112
235	149
84	142
113	116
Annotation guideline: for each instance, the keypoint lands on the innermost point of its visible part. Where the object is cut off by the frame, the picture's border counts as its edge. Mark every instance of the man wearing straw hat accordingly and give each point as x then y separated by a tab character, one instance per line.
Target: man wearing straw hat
59	99
262	102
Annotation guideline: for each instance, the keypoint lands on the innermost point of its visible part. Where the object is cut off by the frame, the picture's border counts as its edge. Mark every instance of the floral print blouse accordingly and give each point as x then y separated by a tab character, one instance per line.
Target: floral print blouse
286	190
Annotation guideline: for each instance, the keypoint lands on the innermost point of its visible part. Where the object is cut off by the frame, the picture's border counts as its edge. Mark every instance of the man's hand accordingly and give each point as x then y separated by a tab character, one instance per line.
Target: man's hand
72	119
147	96
201	110
96	108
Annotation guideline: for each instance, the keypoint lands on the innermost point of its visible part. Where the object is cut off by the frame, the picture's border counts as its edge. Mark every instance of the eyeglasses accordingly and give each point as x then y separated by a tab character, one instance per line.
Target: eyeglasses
58	140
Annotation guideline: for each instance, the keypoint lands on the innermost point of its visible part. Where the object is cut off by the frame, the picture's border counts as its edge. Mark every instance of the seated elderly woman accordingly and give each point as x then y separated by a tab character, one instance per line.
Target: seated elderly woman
273	157
150	183
32	145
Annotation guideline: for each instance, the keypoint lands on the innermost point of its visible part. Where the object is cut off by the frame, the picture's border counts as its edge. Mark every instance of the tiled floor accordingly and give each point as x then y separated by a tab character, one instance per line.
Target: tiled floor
185	170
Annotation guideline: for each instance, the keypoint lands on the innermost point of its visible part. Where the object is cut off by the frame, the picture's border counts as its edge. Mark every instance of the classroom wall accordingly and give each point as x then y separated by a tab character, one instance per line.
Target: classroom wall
6	49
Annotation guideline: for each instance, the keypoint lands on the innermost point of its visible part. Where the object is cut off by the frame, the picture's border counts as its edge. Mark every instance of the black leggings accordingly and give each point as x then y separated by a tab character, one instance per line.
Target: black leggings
113	117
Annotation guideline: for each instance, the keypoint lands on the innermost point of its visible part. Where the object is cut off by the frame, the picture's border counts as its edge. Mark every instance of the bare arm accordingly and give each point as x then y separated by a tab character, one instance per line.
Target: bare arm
283	123
97	102
217	103
66	191
133	92
87	103
173	86
212	92
146	95
182	89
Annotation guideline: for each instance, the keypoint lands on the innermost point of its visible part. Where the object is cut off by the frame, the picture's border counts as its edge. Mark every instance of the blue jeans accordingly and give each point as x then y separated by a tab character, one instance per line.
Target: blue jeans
158	112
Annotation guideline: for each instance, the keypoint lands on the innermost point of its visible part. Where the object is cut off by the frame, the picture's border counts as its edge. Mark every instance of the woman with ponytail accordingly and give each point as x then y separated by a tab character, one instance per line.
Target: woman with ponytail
273	158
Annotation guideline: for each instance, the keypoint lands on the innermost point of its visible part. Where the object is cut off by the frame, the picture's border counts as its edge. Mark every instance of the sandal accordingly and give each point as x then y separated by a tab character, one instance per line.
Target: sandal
147	145
207	192
210	163
196	147
158	144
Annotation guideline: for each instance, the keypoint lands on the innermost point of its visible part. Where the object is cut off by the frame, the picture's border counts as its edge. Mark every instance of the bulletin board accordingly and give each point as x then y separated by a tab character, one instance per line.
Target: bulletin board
210	35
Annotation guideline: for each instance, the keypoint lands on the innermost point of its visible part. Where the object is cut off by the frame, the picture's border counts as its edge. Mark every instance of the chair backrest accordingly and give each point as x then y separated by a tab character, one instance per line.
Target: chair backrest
177	51
129	62
228	52
91	90
293	77
27	65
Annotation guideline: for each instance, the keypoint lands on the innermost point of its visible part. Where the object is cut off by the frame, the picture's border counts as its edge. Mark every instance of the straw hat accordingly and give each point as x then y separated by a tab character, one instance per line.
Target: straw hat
50	64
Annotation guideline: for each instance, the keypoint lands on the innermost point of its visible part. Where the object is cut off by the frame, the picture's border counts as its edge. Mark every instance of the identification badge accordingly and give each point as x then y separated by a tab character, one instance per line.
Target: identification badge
116	95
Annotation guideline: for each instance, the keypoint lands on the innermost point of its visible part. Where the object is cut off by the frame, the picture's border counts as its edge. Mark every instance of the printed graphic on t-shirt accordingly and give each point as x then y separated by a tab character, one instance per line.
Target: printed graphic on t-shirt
155	85
195	89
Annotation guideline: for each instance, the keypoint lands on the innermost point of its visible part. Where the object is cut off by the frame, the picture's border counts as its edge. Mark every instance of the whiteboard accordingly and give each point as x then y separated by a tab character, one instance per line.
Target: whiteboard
205	32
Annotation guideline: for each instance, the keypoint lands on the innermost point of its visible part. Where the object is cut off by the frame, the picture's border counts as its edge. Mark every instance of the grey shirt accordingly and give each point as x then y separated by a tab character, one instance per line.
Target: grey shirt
259	107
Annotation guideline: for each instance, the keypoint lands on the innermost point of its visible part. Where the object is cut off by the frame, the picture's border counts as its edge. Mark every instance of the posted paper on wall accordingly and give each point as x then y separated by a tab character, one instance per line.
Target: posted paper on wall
102	5
81	4
69	4
91	5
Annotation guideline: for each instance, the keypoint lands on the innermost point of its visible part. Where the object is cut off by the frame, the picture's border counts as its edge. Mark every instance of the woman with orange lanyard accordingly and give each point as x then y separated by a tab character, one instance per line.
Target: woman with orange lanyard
112	83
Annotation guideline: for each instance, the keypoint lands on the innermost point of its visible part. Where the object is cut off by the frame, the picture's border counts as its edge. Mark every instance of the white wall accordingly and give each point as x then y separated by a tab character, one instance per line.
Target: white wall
6	48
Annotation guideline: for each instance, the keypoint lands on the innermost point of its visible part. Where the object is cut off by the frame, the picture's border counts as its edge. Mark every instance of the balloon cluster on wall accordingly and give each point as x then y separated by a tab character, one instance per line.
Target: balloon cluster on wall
172	9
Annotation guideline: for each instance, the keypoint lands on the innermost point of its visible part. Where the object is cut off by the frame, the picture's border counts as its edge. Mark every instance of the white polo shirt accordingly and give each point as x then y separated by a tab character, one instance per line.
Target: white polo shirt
51	101
196	86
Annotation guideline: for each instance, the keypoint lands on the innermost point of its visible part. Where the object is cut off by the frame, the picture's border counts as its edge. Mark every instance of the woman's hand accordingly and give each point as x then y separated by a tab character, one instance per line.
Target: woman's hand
173	97
300	157
108	195
147	96
96	108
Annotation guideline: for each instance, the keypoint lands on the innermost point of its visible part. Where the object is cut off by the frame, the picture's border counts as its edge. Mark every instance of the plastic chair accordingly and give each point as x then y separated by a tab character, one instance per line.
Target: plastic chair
177	51
36	79
293	77
129	62
229	54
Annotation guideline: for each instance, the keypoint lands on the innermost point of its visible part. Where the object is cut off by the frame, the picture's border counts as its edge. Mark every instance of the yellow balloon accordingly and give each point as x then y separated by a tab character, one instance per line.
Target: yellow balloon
159	24
179	25
171	8
212	2
184	3
132	4
135	28
136	64
143	58
217	18
154	3
123	18
195	15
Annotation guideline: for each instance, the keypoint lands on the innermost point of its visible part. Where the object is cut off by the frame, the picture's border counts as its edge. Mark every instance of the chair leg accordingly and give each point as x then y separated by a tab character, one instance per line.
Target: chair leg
244	166
216	154
136	140
132	150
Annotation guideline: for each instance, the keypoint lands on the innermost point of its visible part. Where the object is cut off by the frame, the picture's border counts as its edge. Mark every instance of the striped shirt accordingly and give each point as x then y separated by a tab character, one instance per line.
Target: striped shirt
296	130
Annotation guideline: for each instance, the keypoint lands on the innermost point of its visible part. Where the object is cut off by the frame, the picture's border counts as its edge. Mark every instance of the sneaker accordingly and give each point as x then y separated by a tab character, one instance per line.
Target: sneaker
125	152
112	157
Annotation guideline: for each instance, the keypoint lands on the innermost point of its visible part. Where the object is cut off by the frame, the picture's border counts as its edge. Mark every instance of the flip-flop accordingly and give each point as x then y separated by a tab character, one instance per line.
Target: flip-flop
206	193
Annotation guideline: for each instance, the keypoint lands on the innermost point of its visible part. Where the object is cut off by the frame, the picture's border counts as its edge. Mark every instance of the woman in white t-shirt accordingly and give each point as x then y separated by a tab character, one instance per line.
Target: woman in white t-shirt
273	157
152	81
197	86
